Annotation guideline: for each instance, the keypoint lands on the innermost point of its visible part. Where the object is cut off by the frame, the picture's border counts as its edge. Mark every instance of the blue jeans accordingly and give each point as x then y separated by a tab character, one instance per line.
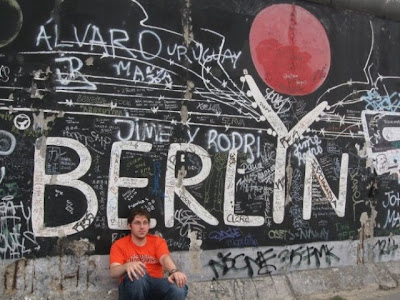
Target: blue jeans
149	288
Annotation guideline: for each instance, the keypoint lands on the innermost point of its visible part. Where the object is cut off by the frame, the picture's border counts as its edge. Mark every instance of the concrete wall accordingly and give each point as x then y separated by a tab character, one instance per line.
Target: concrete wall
263	137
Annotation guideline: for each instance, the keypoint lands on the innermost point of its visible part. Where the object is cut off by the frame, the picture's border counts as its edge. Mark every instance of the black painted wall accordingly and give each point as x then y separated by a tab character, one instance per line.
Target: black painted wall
96	93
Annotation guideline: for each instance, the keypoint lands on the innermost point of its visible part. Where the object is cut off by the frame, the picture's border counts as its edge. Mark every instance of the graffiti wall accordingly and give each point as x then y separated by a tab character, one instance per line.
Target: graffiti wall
236	124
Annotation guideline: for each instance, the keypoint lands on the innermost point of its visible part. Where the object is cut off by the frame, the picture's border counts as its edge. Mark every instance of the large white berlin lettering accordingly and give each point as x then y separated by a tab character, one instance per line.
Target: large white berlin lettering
173	185
41	179
285	140
115	181
313	168
230	218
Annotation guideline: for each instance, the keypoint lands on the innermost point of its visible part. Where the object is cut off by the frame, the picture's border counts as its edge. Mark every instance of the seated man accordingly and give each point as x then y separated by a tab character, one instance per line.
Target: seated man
138	260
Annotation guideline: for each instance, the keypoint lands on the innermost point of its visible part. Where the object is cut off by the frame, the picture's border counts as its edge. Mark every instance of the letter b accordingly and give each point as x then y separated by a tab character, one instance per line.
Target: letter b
41	179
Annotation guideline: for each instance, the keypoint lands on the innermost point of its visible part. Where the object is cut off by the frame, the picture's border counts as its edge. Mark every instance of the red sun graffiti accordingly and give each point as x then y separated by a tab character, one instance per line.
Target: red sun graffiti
290	49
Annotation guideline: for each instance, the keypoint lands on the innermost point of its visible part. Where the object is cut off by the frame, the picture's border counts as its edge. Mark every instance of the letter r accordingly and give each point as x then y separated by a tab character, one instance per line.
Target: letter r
173	186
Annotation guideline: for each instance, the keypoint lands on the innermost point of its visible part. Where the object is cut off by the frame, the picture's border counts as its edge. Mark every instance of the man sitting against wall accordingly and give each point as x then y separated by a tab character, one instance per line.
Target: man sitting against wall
139	259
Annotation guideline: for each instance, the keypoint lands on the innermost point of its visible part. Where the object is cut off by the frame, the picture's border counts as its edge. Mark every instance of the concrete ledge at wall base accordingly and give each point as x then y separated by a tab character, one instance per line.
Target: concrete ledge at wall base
368	281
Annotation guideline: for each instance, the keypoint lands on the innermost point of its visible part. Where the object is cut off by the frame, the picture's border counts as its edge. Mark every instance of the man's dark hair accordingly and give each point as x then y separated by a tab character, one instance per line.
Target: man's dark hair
138	212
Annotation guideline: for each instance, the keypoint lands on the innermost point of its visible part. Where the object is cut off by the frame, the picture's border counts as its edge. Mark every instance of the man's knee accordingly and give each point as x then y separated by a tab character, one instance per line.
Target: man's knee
177	293
136	288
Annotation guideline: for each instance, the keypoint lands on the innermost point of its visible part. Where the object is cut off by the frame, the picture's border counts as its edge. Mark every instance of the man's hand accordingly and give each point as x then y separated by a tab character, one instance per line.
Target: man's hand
178	277
135	269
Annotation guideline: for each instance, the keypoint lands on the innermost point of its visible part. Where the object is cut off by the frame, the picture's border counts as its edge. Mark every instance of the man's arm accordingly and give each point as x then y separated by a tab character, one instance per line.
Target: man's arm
174	274
133	269
117	270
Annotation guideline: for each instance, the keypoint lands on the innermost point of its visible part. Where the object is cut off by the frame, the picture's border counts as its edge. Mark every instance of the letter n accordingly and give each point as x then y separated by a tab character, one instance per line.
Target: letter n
314	168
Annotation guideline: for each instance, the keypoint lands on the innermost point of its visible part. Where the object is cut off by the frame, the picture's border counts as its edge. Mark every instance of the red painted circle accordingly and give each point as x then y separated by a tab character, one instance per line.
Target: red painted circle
290	49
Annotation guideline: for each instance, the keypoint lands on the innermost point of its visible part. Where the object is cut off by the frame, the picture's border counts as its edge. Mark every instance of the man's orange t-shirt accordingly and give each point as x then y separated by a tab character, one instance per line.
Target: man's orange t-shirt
125	250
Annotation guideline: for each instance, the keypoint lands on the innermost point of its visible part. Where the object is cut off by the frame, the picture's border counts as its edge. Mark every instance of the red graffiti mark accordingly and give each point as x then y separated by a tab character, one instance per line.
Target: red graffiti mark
290	49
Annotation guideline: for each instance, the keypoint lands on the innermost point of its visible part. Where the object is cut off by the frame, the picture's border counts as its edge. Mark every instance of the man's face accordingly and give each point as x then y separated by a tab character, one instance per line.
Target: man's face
139	227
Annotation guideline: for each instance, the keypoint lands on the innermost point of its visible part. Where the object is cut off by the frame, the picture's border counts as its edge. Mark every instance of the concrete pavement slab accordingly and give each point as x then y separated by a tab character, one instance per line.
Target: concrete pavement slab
266	288
333	280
